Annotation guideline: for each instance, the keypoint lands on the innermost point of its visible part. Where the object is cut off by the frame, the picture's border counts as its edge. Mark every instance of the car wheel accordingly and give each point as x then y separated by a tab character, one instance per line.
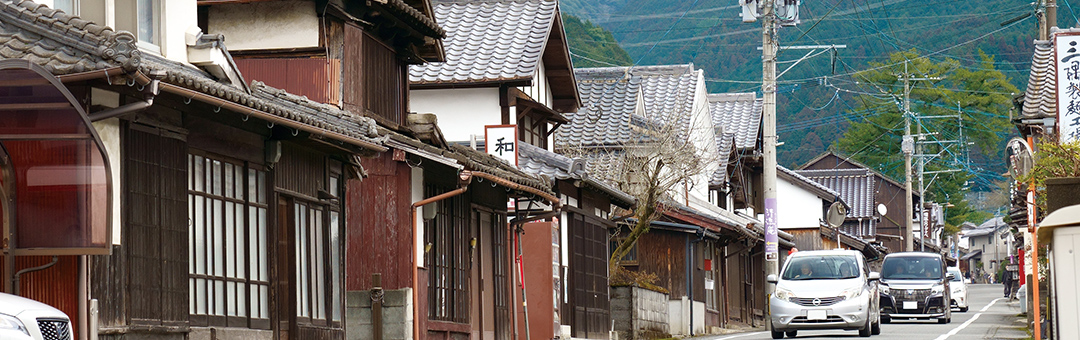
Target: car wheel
943	320
876	328
963	309
777	334
865	331
886	319
792	334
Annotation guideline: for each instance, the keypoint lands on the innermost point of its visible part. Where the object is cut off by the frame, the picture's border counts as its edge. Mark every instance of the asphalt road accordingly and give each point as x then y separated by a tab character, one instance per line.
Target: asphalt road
989	317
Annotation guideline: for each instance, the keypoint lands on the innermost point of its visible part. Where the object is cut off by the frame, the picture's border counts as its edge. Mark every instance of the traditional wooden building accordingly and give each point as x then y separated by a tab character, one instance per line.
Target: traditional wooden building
865	191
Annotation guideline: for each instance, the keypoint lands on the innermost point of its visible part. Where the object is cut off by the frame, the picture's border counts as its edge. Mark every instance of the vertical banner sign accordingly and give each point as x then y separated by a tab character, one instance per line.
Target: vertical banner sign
1067	58
771	237
501	141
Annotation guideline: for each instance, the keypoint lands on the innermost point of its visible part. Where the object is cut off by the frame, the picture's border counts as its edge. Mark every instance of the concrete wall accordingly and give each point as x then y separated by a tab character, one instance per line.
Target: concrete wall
461	112
679	316
397	315
639	313
211	333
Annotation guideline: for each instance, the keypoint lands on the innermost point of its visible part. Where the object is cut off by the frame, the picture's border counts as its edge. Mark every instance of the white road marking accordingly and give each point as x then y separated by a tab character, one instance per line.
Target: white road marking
739	335
966	323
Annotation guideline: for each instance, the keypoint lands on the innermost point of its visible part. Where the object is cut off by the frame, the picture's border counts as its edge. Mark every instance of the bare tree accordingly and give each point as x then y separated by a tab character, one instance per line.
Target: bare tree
669	156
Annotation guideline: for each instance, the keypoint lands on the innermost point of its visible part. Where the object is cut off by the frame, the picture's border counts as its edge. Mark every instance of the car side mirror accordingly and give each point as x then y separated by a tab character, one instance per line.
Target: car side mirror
950	276
771	278
874	276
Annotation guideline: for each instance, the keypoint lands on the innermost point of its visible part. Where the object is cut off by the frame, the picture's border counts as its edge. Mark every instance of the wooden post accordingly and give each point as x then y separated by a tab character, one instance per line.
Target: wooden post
376	307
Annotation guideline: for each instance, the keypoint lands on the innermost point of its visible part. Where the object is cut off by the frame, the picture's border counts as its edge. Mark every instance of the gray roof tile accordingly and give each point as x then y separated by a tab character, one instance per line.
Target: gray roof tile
1040	98
537	161
489	40
66	44
737	113
808	181
724	143
610	95
855	186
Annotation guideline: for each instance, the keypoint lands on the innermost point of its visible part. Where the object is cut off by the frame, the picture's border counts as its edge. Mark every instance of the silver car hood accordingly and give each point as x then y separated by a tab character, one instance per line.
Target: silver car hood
15	305
819	287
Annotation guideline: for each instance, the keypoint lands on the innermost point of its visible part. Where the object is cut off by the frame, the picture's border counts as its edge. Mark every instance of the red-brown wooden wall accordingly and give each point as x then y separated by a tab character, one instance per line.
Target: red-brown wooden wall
378	226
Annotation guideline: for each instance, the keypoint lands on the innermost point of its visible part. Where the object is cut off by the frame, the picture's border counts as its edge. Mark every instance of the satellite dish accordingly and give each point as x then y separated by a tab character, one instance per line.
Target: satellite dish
837	213
882	209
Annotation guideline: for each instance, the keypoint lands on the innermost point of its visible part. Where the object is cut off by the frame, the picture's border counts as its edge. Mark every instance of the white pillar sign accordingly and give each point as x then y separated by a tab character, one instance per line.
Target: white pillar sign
501	141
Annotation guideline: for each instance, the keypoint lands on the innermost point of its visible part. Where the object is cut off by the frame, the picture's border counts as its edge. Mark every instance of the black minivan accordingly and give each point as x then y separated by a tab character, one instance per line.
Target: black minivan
914	285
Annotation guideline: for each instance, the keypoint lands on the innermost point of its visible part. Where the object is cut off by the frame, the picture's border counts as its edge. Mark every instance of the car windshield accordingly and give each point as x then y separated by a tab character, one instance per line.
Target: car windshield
825	267
911	268
956	275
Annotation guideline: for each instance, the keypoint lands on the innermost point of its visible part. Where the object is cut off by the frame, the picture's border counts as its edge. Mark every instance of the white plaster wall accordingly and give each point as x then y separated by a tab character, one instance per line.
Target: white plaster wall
702	135
109	132
176	17
796	208
266	25
461	112
540	91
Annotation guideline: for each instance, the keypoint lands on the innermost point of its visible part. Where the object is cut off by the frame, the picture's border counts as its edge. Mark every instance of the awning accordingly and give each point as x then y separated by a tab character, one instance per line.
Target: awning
970	255
55	184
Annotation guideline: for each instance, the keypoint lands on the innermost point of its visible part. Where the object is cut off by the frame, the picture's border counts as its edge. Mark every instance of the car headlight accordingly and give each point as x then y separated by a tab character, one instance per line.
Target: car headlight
884	289
852	292
783	294
10	322
937	289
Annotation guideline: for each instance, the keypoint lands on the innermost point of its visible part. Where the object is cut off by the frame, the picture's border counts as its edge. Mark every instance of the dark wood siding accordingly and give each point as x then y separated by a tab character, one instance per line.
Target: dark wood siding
375	81
314	77
300	170
589	310
666	257
379	213
155	180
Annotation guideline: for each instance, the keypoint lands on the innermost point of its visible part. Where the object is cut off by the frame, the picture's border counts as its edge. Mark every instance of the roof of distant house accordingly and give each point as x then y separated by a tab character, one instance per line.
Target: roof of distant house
855	186
611	95
737	113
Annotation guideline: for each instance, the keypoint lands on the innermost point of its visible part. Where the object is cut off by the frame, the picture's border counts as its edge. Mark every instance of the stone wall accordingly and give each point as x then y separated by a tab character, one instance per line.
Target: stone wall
397	315
639	313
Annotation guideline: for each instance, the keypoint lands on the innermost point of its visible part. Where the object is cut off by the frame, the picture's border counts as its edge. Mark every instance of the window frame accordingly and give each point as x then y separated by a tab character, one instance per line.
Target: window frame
245	209
449	300
329	268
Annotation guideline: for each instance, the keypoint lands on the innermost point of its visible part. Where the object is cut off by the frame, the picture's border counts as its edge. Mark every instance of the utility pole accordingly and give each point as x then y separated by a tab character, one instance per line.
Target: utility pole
910	147
768	118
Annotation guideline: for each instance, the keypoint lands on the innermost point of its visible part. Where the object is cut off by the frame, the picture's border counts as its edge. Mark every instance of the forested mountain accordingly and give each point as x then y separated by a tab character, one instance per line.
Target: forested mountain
592	45
818	97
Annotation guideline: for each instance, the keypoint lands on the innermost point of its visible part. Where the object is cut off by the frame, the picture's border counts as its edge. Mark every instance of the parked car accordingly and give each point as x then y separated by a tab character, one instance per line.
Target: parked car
22	318
959	289
824	289
915	285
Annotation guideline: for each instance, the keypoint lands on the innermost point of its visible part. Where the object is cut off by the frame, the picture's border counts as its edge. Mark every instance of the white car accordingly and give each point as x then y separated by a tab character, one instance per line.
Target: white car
959	289
824	289
22	319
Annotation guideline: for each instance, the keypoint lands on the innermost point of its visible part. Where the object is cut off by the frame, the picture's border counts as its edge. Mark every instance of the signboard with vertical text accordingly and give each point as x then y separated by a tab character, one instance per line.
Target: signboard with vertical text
1067	61
772	240
501	141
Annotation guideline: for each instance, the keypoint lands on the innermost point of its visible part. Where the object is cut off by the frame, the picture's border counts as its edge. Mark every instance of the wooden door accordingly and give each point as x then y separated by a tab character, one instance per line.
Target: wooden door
588	277
283	271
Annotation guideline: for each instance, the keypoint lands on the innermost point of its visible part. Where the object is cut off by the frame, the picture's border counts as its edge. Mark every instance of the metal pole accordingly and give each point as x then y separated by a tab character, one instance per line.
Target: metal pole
909	242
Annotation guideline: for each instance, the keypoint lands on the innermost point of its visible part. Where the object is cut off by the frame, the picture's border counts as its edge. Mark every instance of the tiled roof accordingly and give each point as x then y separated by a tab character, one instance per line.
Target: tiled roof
806	181
489	40
737	113
537	161
1040	98
724	143
480	161
610	96
855	186
66	44
418	18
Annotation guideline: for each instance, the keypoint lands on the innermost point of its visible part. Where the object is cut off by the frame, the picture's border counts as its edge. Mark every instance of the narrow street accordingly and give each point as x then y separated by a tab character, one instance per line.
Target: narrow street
989	317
